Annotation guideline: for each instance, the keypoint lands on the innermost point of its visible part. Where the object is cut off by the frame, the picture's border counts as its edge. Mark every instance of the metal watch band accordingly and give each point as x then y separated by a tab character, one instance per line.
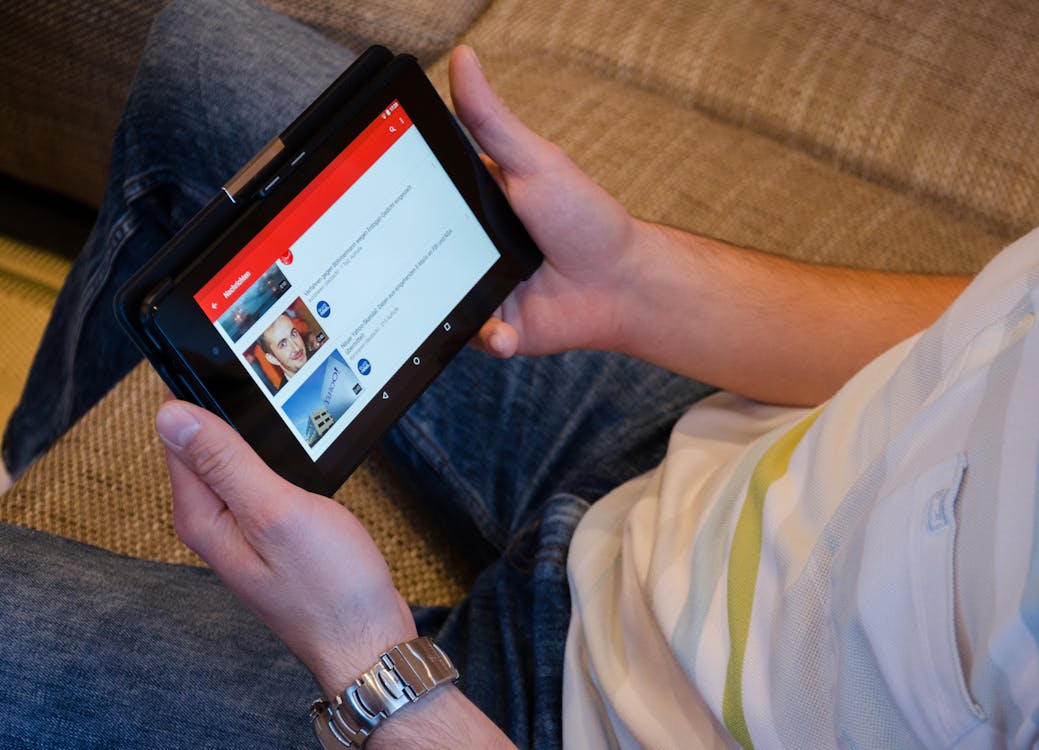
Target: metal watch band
402	675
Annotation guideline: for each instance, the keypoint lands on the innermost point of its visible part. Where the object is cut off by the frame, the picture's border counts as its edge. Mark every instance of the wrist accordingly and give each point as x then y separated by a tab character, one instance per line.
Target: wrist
407	698
657	288
341	660
606	317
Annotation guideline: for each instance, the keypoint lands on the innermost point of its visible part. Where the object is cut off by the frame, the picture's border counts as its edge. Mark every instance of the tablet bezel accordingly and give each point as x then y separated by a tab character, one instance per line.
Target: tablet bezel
203	367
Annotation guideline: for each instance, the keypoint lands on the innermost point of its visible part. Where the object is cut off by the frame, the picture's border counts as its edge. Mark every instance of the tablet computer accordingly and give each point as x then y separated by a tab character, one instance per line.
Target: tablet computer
329	282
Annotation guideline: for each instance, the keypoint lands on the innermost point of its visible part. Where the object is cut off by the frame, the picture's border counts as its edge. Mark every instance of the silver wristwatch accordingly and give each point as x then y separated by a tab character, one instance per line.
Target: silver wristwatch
402	675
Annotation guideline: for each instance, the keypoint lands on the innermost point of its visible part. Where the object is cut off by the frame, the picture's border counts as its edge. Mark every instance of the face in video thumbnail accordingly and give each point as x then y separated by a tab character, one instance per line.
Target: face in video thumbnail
286	345
258	299
323	398
282	345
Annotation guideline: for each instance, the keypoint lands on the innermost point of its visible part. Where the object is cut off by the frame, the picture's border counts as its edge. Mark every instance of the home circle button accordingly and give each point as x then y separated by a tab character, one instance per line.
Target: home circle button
416	361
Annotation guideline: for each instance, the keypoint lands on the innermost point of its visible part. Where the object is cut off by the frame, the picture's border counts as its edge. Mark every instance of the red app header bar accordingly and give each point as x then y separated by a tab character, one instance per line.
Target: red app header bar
274	240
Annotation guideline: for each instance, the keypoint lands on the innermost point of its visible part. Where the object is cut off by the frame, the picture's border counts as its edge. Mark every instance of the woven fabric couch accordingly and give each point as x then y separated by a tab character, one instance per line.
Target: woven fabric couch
888	134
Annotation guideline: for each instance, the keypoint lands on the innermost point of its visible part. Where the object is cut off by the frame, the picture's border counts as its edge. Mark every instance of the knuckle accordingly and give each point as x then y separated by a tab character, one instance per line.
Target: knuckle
277	524
214	463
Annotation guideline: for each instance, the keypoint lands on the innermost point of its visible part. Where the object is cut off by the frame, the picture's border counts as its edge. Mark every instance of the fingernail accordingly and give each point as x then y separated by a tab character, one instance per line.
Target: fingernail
175	425
497	342
476	59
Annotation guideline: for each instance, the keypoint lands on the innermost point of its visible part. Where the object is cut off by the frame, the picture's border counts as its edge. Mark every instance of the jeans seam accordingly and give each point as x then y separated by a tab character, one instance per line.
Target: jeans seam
142	183
122	229
552	553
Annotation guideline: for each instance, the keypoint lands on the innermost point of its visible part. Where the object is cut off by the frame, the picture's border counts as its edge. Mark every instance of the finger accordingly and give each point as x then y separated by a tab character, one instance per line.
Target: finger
201	519
494	169
479	342
497	338
499	132
222	461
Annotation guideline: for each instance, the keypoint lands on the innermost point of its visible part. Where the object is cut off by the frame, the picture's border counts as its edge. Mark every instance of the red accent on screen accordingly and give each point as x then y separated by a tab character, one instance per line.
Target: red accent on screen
274	240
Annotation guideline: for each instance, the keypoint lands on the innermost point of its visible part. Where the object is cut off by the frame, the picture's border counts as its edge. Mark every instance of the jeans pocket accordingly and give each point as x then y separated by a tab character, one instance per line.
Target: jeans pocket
906	599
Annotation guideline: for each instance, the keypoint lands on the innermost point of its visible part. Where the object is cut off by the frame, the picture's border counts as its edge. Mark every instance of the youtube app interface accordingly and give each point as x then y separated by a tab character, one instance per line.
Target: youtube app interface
337	292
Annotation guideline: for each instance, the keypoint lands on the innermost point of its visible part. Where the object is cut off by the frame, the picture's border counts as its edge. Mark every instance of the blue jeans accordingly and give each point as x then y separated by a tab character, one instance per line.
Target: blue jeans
100	650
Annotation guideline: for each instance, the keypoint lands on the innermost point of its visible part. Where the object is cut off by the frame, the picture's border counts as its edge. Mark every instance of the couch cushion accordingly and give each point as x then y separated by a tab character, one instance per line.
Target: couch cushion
669	161
66	68
105	483
29	282
934	99
424	28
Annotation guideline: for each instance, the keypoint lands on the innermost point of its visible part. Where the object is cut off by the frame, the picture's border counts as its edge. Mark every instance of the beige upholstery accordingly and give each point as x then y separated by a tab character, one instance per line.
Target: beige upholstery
66	67
29	283
105	483
930	98
896	135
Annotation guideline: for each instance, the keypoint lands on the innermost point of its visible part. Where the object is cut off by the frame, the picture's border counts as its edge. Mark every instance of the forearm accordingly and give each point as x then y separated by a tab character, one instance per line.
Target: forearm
766	327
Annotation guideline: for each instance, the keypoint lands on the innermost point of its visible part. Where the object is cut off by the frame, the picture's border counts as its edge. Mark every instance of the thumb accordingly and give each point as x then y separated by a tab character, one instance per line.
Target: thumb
215	453
510	143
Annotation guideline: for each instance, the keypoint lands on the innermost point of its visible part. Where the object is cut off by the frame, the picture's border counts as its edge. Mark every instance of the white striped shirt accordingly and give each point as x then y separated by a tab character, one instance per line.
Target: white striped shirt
865	574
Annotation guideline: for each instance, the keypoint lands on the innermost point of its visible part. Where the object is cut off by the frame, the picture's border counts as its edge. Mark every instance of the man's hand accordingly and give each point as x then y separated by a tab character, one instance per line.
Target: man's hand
307	568
301	562
588	238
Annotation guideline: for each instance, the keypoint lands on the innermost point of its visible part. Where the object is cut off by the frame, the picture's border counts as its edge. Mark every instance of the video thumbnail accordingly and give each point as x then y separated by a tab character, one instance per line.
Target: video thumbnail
285	346
257	299
323	398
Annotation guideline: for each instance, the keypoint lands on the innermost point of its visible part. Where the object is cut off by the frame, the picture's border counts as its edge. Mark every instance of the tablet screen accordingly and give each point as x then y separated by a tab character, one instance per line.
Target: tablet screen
337	292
